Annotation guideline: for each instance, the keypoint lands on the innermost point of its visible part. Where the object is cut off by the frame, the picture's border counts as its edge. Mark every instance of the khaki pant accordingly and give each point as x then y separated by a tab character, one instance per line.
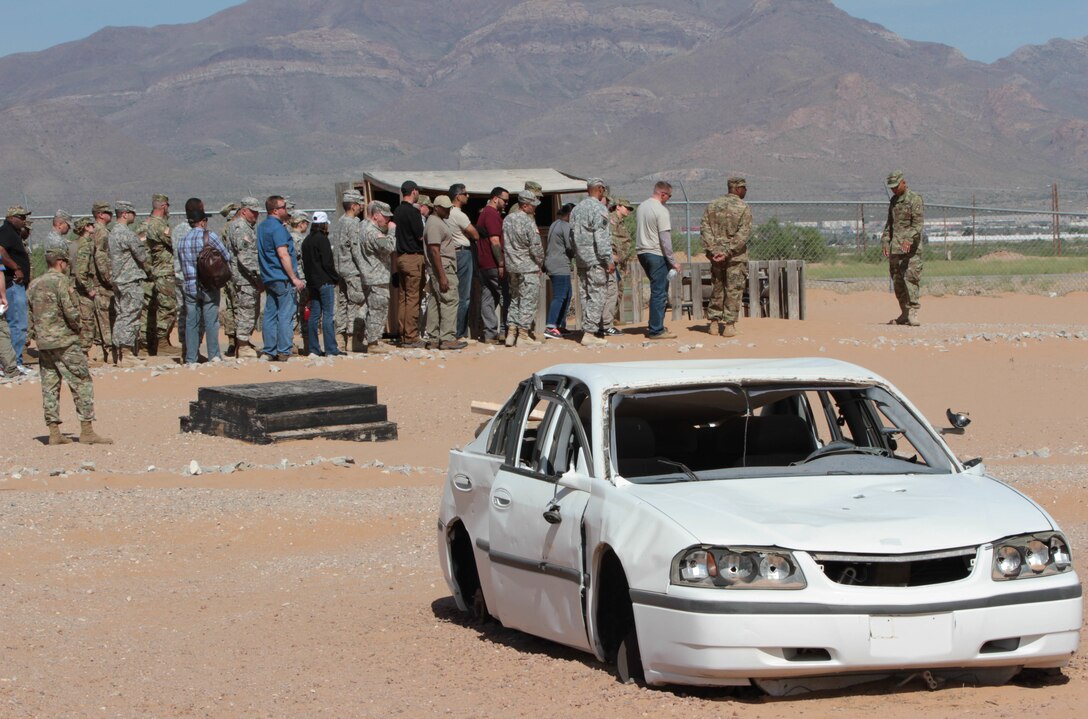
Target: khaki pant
410	274
442	306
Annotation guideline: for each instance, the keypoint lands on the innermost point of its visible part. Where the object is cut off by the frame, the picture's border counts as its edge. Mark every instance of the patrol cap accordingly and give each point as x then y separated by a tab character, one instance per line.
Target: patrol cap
82	223
595	182
290	204
17	210
534	187
353	196
321	218
621	202
443	201
894	179
227	210
159	198
101	206
425	200
298	217
737	182
53	254
249	203
63	215
528	197
123	206
379	206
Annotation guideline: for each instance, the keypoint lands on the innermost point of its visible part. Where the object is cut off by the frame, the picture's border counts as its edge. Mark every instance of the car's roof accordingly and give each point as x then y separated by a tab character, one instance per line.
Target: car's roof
604	376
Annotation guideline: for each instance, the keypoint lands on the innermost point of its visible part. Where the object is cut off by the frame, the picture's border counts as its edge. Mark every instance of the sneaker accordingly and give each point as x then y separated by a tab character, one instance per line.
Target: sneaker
612	332
553	333
666	335
23	369
282	357
452	345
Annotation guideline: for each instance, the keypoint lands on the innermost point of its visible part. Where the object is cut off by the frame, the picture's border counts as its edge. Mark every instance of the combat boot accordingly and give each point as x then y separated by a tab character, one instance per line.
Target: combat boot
715	328
730	329
525	338
118	355
245	350
164	349
55	437
912	318
88	436
511	336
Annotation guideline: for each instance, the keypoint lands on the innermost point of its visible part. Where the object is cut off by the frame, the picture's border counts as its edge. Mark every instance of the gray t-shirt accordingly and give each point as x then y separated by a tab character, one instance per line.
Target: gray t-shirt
560	249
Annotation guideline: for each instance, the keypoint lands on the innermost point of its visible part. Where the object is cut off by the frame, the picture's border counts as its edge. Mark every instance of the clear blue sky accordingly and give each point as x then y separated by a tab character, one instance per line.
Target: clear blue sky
983	29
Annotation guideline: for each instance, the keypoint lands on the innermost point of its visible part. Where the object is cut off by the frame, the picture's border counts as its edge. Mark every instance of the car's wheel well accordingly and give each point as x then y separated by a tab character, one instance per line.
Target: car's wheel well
614	616
463	565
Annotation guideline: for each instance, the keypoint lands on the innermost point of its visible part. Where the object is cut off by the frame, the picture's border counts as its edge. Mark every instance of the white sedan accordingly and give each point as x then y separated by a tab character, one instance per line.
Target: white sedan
796	524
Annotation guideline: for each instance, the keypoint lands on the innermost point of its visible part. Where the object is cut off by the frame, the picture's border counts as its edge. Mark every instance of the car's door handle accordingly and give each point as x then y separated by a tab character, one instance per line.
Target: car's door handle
501	499
462	482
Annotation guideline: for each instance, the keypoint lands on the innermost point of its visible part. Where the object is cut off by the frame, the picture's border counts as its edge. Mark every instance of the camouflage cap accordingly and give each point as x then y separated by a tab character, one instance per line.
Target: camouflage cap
621	202
595	182
52	254
123	206
424	200
101	206
229	209
298	217
353	196
17	210
63	215
528	197
82	223
443	201
894	179
159	198
249	203
534	187
379	206
289	202
736	182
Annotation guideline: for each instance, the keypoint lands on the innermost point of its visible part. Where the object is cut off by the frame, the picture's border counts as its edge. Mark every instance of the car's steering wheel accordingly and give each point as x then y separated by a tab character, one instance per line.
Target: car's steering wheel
843	446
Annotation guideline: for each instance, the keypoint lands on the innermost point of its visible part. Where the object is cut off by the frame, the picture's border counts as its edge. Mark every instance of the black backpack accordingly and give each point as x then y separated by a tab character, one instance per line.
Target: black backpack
212	270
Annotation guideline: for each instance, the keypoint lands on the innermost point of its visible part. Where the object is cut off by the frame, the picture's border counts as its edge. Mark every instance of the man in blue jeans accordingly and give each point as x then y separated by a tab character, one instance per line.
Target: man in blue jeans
279	273
654	243
17	276
201	303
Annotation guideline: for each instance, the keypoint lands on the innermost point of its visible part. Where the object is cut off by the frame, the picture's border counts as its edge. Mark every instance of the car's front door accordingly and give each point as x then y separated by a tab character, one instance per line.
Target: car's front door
536	553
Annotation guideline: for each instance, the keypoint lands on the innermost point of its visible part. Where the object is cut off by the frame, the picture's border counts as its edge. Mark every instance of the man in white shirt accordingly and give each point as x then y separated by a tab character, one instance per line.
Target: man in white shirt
654	246
464	235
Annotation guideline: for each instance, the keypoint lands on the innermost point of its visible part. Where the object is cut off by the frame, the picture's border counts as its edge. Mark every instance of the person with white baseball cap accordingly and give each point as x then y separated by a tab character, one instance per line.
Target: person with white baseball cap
319	267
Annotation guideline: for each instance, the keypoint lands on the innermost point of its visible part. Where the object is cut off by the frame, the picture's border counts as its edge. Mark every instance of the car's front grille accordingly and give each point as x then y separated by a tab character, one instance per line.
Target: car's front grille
898	570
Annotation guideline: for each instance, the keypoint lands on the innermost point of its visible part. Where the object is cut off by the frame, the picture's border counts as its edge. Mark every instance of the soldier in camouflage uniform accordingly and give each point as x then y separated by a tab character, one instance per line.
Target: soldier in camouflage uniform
130	265
593	258
350	312
623	249
727	224
376	256
298	226
58	233
100	278
55	307
160	311
524	255
241	241
226	315
83	281
902	245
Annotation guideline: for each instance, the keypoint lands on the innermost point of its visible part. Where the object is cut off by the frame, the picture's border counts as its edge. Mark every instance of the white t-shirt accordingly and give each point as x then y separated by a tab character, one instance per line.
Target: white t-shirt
457	222
651	219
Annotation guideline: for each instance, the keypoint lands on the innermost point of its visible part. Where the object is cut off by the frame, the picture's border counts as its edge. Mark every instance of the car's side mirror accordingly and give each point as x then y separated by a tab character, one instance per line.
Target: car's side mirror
958	420
974	467
576	480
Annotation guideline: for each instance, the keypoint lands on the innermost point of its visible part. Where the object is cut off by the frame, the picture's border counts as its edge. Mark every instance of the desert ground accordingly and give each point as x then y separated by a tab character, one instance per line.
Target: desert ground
278	583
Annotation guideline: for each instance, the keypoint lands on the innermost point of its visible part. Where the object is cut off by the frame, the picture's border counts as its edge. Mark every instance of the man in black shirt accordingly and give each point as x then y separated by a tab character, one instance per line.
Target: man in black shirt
16	277
409	264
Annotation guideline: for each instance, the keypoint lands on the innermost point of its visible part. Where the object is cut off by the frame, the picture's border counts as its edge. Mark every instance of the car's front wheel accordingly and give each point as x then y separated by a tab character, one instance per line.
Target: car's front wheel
629	660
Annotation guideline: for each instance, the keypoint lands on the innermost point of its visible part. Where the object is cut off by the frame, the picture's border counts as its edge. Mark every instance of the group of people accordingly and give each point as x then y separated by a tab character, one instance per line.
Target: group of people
120	285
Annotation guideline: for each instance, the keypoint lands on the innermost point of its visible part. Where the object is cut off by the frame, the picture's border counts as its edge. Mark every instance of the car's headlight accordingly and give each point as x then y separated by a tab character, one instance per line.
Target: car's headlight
1031	555
737	568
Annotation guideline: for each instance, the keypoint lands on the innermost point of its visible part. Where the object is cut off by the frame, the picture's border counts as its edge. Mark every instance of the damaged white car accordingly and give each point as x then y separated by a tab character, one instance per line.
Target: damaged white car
796	524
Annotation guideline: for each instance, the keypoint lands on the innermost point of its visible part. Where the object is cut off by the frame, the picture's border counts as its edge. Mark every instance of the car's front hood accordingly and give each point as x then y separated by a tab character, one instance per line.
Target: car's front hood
862	514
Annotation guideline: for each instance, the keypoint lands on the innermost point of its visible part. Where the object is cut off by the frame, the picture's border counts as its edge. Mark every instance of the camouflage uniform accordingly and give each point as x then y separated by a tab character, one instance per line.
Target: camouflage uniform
592	256
727	224
129	264
159	294
376	253
55	307
241	241
303	299
347	255
524	260
623	249
101	281
906	217
54	241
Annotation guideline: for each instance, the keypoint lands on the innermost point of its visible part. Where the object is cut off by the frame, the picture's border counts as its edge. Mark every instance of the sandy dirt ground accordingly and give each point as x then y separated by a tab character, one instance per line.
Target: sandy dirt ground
295	586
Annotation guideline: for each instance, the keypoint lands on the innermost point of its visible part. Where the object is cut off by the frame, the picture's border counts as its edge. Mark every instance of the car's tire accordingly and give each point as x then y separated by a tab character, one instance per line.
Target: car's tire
629	660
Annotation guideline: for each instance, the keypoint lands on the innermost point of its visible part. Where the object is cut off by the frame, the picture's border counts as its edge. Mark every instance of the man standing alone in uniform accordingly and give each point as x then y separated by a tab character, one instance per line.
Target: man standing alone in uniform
55	308
902	245
727	224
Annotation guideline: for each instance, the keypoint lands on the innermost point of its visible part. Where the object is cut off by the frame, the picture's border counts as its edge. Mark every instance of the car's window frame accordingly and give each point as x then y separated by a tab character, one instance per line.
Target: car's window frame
559	404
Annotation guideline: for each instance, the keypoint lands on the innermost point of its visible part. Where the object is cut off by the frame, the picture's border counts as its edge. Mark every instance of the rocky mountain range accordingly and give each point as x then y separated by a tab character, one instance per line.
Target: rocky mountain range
294	95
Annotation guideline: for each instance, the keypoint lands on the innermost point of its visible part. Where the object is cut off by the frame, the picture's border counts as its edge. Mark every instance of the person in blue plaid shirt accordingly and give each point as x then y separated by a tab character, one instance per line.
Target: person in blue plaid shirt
200	302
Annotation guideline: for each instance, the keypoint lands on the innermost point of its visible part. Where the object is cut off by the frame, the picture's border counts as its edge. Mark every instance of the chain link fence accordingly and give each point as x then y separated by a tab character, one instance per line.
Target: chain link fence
966	249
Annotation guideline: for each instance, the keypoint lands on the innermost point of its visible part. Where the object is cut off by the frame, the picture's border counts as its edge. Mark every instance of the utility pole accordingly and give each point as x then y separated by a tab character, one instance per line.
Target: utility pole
974	226
1056	221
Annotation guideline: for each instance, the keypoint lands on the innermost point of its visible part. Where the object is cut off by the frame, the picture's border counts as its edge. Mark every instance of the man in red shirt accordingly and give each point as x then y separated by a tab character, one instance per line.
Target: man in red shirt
494	283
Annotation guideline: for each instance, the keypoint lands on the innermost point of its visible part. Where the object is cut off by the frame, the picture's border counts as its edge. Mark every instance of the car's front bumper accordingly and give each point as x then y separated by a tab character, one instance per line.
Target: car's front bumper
687	638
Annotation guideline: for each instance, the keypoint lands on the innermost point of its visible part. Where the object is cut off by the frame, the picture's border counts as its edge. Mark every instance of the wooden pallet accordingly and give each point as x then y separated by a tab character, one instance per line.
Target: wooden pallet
280	411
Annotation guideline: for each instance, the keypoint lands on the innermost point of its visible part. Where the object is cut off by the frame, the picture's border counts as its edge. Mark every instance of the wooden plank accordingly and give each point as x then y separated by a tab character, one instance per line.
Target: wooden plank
697	289
542	305
576	301
676	292
754	304
793	291
774	287
801	292
634	286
